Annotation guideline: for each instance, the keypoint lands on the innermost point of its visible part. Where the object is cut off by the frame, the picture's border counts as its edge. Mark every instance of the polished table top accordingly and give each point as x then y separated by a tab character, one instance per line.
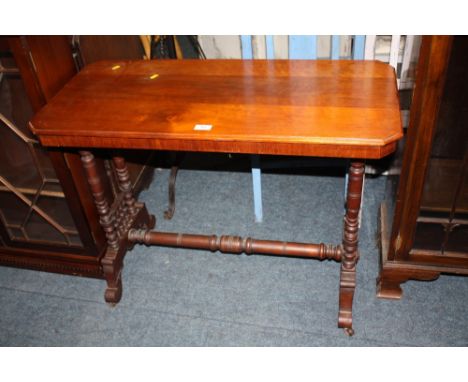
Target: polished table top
293	107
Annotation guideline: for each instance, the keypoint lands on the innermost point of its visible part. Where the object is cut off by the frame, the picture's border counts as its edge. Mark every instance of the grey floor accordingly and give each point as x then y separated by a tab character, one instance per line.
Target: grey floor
176	297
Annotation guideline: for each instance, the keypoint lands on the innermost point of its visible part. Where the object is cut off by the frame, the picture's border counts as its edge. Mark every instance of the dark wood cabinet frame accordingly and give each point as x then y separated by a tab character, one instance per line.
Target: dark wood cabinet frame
399	262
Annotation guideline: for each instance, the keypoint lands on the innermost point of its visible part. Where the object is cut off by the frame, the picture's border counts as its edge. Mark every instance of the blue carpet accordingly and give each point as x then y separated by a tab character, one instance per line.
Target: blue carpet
175	297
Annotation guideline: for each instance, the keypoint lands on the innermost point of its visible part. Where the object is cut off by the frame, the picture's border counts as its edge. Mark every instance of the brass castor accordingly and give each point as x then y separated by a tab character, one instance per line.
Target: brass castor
349	332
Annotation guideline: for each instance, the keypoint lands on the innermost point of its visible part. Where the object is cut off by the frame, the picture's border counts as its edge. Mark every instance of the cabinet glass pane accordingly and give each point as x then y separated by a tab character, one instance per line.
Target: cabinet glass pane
457	240
443	221
33	208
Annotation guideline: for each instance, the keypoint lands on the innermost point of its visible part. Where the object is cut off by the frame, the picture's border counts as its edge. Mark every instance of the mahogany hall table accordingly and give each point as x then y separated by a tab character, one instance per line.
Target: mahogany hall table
345	109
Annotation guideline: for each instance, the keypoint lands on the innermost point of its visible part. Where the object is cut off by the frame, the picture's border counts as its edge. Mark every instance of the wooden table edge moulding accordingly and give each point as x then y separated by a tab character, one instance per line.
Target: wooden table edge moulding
339	109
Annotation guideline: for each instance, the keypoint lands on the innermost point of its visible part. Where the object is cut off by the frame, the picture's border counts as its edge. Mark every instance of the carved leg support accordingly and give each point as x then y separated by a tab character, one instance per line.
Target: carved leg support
125	185
116	221
106	219
129	222
350	247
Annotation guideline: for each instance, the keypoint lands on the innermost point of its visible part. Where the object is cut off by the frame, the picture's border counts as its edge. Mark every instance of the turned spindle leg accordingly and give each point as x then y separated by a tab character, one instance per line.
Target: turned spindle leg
111	263
125	185
350	247
134	213
97	189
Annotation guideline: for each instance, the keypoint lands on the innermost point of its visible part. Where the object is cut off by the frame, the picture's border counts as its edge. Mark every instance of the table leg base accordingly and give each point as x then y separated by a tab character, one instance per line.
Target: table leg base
128	222
113	292
347	287
350	246
112	262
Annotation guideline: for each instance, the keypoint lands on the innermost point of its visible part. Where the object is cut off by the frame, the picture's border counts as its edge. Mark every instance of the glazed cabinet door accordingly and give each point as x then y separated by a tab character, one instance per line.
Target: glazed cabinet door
47	217
442	224
33	208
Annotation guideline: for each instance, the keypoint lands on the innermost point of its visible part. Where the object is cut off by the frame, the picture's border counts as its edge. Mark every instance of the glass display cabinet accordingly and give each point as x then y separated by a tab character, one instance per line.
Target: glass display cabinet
48	220
425	216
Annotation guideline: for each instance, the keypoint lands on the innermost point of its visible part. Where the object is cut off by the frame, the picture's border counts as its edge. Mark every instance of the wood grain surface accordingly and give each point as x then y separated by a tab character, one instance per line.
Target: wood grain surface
292	107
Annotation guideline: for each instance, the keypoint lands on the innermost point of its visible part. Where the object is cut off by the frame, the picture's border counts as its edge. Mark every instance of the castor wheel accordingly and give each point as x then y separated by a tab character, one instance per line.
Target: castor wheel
349	331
